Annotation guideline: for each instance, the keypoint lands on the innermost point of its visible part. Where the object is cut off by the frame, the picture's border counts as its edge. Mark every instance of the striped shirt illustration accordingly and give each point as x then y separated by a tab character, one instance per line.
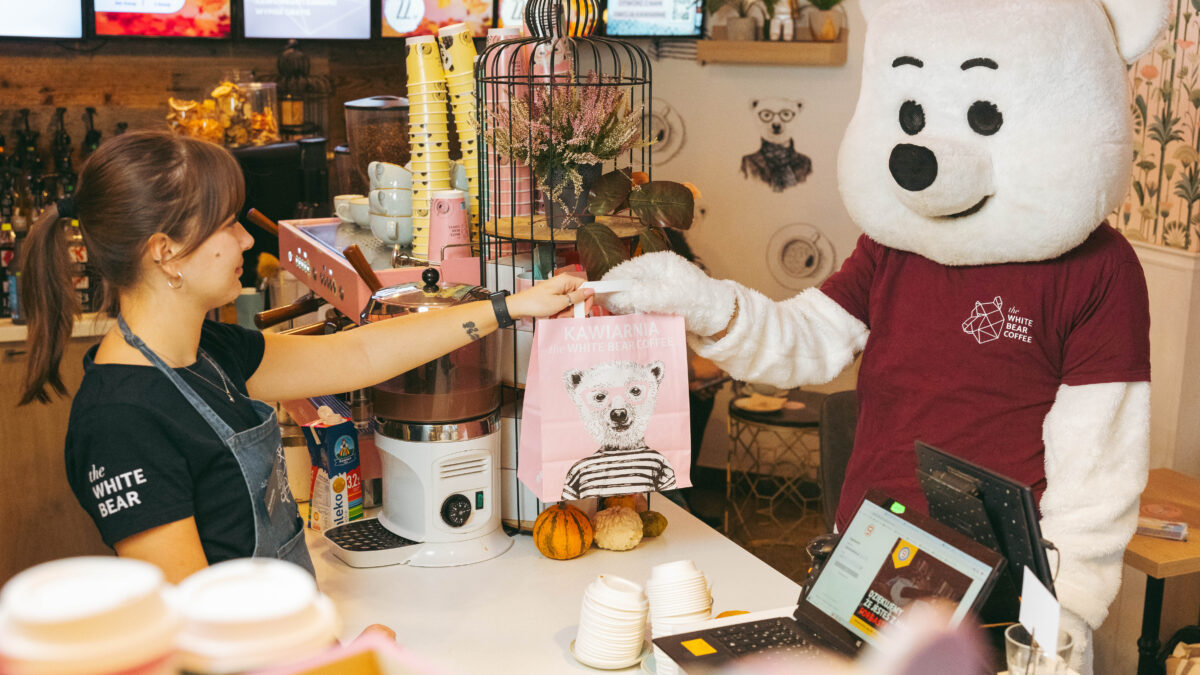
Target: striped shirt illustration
616	472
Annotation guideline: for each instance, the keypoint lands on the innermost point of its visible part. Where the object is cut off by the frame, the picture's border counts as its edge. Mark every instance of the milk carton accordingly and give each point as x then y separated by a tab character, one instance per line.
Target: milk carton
336	482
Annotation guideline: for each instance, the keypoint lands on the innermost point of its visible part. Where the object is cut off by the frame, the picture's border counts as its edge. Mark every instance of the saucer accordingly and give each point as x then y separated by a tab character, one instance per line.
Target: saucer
647	651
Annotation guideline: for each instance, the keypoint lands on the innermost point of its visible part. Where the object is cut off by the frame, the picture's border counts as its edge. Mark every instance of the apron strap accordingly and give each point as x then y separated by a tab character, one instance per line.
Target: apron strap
223	430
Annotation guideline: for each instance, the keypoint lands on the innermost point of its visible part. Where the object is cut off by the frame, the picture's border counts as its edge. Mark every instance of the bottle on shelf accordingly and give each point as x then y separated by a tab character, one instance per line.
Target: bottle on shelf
8	240
14	282
80	270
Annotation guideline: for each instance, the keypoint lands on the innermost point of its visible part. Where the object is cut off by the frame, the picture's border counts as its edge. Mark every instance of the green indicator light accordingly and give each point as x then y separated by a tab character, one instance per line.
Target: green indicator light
897	508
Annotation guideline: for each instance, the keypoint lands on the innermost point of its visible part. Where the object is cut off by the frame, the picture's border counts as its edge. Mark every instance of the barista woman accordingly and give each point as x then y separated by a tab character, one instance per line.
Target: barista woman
169	446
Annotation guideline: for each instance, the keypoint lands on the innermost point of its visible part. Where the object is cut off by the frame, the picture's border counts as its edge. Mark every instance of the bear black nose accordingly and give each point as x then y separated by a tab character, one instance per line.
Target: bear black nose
620	416
914	167
776	127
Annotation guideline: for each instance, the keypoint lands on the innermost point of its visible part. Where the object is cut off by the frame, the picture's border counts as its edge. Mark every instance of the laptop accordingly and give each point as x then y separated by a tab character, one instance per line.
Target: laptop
889	558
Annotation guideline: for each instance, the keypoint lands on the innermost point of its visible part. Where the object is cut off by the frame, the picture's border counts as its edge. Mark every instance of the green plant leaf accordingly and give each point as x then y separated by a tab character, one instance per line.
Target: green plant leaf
662	203
600	249
610	192
653	240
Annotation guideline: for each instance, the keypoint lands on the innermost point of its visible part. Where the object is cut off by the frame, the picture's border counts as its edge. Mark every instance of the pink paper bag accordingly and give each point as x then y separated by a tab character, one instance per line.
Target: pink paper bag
606	408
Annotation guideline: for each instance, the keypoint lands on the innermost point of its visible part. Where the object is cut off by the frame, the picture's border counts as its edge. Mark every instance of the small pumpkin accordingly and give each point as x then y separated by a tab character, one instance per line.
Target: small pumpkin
562	532
635	502
653	523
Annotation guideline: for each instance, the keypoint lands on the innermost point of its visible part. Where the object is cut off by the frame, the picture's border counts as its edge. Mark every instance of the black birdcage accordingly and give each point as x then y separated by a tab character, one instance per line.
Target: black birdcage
524	237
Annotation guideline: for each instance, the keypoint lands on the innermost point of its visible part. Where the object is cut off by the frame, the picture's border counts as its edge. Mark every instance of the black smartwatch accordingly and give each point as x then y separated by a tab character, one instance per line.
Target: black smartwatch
500	307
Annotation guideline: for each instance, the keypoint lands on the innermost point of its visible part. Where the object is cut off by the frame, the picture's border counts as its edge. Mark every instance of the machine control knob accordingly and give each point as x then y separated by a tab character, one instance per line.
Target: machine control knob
430	276
455	510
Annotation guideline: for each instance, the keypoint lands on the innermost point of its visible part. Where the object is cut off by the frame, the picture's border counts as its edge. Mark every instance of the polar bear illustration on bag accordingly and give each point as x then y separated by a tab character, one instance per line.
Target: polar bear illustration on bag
616	401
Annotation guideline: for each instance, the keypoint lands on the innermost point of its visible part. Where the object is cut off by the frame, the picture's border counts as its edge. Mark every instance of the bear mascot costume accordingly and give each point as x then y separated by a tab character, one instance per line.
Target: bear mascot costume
999	317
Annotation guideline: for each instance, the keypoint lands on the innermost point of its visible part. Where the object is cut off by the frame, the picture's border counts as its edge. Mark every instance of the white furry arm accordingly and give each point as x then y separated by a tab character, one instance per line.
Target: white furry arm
805	340
1097	457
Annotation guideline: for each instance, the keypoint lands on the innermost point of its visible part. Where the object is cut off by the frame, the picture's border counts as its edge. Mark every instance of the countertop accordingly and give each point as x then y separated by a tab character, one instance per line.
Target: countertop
87	325
519	612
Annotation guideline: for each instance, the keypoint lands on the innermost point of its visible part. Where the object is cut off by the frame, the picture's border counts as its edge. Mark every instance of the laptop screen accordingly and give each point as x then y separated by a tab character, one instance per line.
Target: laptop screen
883	564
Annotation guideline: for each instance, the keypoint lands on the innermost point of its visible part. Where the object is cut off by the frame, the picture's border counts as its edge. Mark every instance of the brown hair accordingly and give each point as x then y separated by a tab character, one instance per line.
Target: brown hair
134	186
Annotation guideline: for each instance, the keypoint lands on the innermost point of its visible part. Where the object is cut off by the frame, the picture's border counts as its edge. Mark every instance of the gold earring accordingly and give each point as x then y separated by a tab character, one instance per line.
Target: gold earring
179	278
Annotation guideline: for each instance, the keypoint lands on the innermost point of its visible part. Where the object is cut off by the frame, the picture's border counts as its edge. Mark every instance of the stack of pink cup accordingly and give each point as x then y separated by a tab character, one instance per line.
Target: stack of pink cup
510	187
680	598
429	132
612	624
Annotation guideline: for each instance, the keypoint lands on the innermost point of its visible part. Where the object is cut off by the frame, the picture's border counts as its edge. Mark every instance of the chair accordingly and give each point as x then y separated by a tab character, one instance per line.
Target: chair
839	416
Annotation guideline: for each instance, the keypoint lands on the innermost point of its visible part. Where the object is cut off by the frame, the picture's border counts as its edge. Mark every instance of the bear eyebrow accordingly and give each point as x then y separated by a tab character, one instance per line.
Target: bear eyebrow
981	63
908	61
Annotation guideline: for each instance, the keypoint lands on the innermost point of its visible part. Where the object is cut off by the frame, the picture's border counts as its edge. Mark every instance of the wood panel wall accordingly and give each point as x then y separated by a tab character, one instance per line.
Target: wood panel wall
129	80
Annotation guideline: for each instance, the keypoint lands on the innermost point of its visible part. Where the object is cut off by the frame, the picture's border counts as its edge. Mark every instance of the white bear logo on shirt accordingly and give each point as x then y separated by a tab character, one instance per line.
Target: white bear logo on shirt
986	321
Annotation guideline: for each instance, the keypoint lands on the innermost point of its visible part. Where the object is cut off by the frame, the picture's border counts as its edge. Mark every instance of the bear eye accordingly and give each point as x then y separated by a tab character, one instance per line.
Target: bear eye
985	118
766	115
912	118
599	398
636	391
786	115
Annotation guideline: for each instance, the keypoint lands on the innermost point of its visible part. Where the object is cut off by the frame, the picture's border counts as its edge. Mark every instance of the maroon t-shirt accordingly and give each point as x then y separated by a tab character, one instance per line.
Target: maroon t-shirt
969	359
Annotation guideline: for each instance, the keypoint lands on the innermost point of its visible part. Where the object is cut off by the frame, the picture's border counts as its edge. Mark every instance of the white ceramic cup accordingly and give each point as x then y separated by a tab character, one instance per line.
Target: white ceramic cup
392	230
88	615
388	175
341	207
251	612
392	201
360	211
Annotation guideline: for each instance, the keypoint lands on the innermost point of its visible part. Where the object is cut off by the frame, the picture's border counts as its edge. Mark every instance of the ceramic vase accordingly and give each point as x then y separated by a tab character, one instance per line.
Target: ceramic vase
826	25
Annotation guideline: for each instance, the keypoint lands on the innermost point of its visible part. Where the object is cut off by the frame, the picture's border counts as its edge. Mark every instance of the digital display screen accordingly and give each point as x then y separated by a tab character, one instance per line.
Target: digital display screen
406	18
163	18
654	18
42	18
317	19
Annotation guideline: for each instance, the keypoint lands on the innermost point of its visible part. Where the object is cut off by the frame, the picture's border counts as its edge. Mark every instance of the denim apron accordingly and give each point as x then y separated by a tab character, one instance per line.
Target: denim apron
278	528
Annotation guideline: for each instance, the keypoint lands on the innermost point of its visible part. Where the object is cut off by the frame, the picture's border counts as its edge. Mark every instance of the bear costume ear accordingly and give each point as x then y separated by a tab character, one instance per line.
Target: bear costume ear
656	369
1137	24
572	378
753	104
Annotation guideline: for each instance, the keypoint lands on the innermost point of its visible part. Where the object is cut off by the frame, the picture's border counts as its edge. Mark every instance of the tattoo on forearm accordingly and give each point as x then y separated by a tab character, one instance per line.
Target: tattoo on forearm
472	330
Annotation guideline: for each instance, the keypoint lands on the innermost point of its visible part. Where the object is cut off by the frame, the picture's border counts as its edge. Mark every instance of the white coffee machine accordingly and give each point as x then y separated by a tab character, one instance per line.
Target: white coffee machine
438	433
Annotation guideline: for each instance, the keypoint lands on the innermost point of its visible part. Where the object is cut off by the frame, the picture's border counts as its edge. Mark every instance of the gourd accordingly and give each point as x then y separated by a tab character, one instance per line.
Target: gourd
618	528
562	532
653	523
636	501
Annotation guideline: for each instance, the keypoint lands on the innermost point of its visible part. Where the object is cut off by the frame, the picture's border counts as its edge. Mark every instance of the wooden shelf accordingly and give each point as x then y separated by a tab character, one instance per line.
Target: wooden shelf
525	228
773	53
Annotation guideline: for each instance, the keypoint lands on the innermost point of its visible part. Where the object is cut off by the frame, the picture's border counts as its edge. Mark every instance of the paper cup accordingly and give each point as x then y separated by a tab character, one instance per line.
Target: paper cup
423	59
458	49
415	88
252	612
85	615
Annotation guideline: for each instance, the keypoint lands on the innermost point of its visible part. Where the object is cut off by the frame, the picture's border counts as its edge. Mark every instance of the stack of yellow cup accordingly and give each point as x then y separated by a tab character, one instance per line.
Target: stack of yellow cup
429	132
458	61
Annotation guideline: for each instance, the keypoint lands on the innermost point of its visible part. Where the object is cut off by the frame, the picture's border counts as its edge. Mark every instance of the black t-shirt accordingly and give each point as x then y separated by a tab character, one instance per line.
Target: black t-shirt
139	455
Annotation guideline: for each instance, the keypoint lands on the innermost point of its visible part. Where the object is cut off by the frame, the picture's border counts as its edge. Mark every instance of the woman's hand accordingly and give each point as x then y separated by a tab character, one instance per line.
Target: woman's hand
548	298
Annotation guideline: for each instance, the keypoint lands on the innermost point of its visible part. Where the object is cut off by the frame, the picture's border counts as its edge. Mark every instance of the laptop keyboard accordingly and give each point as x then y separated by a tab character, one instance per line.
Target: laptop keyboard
778	636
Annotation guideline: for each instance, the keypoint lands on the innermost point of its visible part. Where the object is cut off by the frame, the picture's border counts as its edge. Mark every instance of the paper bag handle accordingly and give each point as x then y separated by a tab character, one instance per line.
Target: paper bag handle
602	288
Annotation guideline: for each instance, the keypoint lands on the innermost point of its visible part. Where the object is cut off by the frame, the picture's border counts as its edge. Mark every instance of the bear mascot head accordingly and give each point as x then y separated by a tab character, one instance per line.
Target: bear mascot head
993	132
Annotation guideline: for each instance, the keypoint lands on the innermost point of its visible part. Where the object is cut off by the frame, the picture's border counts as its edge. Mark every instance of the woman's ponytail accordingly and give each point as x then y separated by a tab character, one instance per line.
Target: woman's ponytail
49	303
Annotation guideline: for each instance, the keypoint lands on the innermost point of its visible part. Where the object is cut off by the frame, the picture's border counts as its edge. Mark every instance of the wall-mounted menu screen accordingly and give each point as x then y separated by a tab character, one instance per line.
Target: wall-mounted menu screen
41	18
313	19
654	18
405	18
163	18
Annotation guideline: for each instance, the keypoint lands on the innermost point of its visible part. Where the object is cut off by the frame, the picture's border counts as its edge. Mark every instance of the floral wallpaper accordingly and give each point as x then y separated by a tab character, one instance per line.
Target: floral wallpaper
1162	205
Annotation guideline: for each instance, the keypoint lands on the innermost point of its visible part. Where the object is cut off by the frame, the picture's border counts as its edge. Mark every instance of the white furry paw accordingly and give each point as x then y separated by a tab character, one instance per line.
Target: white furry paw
665	283
1081	636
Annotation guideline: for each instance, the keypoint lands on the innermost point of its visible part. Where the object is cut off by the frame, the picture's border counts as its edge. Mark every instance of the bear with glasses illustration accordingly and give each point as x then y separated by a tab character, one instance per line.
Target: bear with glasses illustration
776	161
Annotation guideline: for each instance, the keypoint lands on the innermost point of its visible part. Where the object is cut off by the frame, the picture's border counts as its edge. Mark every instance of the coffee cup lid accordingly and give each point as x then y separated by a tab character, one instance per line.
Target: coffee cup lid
87	614
246	613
